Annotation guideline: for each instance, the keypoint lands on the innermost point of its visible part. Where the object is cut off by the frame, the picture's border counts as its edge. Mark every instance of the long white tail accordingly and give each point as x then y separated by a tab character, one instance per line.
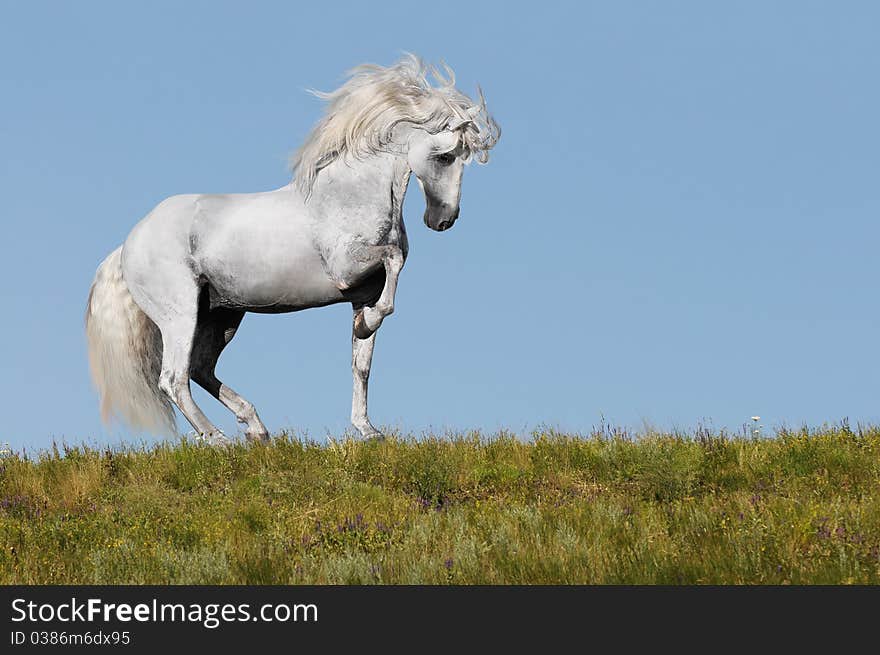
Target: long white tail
125	353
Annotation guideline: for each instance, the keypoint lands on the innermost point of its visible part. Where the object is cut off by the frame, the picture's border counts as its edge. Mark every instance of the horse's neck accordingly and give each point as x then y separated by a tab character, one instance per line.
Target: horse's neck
371	188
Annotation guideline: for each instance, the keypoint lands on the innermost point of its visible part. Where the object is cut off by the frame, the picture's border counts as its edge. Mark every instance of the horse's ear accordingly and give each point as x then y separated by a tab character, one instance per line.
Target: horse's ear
458	122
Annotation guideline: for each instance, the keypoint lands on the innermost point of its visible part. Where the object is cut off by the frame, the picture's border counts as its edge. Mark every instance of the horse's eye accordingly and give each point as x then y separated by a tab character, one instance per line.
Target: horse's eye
446	158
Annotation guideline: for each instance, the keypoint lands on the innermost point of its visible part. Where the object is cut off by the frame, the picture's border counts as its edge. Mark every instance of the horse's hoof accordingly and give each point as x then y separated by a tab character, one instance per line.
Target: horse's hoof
218	439
361	331
374	437
257	436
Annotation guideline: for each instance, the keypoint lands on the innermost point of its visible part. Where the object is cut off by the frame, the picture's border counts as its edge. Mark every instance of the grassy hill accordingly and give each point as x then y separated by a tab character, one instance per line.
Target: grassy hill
803	507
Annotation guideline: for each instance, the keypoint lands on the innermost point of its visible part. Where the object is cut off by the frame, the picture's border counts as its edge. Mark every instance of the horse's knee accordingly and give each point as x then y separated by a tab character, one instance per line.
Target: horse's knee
385	309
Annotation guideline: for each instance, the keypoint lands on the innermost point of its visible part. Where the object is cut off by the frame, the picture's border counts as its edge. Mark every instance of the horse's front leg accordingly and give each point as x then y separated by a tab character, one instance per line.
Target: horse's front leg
367	320
370	317
361	360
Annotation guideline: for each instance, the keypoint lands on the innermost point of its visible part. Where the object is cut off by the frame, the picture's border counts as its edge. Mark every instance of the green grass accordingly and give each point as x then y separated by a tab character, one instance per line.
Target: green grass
801	508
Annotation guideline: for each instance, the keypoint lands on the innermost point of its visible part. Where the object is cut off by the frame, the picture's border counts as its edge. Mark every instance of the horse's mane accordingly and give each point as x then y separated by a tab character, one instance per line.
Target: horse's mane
362	113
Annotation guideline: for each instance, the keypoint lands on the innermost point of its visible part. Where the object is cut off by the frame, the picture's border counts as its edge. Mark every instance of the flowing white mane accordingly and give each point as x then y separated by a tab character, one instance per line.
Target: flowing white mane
362	113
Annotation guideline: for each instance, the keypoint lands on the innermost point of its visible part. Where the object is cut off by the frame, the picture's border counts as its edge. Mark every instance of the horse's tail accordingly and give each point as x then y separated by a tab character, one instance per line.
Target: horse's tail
125	353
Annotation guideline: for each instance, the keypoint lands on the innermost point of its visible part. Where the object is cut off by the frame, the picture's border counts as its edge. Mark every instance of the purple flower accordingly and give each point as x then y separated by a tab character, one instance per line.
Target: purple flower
448	564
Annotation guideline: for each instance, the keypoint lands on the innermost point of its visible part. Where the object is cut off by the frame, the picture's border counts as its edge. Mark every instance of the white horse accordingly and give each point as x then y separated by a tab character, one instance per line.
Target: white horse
164	304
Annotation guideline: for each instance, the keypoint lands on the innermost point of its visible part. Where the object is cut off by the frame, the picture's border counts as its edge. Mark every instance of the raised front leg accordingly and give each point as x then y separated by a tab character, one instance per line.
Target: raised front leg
368	319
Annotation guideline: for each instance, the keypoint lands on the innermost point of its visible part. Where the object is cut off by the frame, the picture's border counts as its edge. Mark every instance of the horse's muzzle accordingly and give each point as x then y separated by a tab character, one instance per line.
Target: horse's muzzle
444	223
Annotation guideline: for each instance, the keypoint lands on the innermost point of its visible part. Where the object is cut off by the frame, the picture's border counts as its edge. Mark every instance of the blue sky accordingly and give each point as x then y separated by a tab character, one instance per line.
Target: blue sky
679	225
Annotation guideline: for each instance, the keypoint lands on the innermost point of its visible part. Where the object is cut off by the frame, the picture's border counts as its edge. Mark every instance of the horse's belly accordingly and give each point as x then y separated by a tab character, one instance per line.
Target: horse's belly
253	260
294	283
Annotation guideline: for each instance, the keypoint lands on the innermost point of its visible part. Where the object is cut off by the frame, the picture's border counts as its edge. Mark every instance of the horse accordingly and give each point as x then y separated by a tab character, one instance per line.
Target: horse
164	304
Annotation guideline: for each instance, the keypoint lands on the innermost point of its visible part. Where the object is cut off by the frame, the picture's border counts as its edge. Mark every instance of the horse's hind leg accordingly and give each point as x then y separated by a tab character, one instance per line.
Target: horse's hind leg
215	329
177	323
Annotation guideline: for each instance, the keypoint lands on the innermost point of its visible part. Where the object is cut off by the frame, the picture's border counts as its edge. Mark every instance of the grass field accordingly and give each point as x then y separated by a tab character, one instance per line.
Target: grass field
802	508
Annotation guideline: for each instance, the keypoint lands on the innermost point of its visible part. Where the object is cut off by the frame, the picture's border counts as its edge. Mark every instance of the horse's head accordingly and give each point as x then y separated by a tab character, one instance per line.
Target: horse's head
438	162
398	110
